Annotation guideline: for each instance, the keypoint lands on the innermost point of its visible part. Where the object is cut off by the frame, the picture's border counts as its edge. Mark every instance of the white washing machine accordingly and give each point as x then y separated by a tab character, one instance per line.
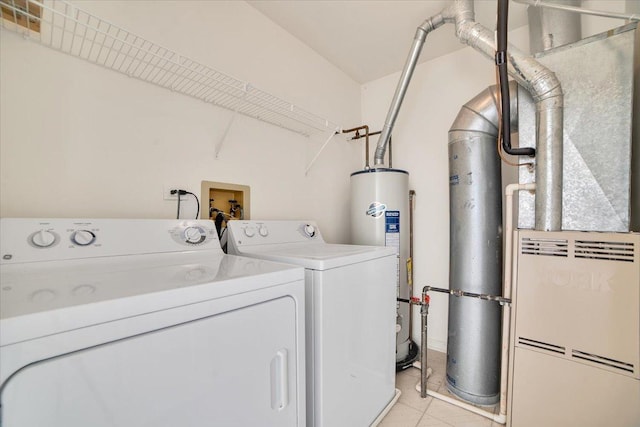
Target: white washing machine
145	323
351	310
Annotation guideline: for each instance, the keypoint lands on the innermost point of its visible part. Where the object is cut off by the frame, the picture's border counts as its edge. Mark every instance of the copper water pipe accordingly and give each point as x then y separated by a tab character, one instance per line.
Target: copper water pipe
370	134
412	195
357	136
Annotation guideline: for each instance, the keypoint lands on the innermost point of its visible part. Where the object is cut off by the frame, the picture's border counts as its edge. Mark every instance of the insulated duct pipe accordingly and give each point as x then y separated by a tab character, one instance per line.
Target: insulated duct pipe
529	73
475	247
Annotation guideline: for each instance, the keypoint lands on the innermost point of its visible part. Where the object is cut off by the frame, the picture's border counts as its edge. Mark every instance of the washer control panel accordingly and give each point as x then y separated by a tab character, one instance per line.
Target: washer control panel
28	240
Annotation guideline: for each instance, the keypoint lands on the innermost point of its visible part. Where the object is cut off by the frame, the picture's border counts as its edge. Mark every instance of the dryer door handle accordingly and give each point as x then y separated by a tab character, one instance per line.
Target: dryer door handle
279	380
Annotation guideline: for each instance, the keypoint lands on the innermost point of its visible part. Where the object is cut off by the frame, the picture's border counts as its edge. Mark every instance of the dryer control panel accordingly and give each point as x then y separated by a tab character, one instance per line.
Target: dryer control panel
250	233
30	240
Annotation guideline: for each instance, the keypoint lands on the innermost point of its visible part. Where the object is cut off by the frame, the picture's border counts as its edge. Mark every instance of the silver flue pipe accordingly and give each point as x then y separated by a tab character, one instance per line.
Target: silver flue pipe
418	41
543	85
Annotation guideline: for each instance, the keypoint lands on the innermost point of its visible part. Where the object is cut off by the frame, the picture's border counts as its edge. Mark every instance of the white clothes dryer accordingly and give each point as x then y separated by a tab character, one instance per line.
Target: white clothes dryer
350	306
145	323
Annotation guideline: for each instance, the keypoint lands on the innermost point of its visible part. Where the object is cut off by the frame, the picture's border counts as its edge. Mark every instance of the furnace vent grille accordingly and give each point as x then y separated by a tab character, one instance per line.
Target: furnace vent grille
601	360
541	345
612	251
547	247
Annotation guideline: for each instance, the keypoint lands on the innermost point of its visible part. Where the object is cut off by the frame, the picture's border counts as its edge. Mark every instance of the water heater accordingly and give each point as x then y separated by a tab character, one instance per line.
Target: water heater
380	217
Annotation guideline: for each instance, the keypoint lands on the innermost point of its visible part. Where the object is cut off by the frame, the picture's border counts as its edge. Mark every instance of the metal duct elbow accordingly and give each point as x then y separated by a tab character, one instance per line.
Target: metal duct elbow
546	91
541	82
480	115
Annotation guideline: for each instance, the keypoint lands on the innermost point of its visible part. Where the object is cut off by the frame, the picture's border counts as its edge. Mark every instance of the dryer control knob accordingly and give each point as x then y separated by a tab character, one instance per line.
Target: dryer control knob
43	238
249	231
264	232
83	237
309	230
194	235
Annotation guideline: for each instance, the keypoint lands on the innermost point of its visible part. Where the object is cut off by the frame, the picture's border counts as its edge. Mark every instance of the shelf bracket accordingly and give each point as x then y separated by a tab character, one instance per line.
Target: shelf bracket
224	134
245	89
336	132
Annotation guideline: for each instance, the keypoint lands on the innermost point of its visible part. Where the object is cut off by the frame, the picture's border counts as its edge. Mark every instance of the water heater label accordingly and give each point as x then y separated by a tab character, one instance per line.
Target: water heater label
392	238
392	229
376	209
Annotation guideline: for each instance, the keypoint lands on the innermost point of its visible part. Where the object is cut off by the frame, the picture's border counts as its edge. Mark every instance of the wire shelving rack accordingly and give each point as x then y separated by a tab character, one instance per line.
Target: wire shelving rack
61	25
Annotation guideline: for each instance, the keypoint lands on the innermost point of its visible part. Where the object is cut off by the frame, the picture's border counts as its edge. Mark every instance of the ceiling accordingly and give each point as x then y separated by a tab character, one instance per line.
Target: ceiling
369	39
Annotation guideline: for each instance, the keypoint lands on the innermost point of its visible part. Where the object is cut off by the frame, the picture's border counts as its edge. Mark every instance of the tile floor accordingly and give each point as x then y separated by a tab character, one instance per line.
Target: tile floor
413	411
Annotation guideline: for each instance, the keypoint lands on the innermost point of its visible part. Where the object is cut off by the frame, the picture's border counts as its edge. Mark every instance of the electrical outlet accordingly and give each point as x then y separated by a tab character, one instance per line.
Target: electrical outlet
166	191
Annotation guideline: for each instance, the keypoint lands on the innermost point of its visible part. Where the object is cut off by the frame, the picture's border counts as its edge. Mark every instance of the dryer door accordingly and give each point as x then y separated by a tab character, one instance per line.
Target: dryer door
236	368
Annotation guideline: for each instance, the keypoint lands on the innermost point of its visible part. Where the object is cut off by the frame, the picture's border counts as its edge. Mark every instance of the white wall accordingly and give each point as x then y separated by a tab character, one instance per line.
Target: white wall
78	140
437	91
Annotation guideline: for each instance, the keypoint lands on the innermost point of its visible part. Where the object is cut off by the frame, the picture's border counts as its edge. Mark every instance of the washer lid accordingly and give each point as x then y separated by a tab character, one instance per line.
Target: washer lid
39	299
317	256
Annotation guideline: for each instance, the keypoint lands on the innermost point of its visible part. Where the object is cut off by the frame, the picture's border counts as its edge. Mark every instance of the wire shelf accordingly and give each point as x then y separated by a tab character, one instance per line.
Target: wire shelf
62	26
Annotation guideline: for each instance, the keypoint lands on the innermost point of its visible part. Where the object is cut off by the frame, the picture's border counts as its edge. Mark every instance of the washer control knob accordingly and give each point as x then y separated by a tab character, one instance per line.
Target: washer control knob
264	232
43	238
83	237
309	230
249	231
194	235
